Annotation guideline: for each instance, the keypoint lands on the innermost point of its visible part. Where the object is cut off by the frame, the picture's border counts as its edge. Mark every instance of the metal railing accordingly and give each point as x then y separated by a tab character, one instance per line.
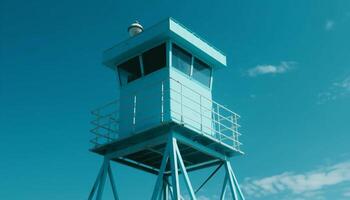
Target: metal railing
106	123
202	114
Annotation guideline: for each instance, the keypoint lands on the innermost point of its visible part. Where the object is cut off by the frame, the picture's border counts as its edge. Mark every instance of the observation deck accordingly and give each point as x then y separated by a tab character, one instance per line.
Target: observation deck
188	116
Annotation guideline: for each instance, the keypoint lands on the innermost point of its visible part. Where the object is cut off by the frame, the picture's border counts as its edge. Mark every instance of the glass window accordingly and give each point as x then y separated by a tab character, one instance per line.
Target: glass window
201	72
129	70
154	59
181	59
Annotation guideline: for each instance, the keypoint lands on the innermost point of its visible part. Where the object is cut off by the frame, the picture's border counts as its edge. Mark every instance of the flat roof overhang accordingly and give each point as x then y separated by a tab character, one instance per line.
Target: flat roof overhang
168	29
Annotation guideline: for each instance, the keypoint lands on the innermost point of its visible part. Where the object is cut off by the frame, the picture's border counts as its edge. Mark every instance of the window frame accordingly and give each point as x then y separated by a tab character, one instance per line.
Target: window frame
184	52
122	62
154	46
208	67
193	57
139	55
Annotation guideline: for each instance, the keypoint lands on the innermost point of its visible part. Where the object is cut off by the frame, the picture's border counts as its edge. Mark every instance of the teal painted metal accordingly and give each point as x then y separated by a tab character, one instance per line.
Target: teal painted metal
101	180
178	100
174	169
165	109
168	28
113	185
224	187
161	173
184	171
162	190
230	181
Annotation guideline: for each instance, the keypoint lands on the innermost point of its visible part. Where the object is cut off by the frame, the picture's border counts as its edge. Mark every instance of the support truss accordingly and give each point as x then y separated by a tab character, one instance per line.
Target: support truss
99	184
164	191
230	177
167	186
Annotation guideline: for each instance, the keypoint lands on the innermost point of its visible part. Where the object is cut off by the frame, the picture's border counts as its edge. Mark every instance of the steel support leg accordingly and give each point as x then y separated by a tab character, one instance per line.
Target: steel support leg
160	178
172	153
170	190
233	184
236	182
111	179
174	170
101	180
93	190
184	172
223	192
165	189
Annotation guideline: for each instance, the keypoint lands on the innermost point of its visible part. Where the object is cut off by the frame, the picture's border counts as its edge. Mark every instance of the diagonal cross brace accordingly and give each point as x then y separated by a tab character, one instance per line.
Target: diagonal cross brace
99	184
172	156
230	178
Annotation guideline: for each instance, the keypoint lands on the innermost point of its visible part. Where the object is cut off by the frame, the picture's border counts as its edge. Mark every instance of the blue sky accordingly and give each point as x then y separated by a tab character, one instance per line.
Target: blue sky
288	77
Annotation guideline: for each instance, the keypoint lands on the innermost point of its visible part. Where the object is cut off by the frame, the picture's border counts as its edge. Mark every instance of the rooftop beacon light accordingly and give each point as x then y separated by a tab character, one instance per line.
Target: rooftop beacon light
135	28
165	120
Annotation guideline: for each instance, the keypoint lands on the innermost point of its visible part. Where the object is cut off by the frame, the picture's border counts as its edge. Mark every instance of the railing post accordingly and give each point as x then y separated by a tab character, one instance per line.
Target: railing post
109	138
181	106
236	132
162	102
200	112
134	113
218	118
98	128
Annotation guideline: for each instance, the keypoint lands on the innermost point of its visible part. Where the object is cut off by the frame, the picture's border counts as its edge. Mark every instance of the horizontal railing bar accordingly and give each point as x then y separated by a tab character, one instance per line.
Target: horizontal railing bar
217	122
221	118
107	115
210	110
93	122
217	140
206	127
104	136
199	122
105	105
106	128
152	116
118	100
201	96
210	100
98	121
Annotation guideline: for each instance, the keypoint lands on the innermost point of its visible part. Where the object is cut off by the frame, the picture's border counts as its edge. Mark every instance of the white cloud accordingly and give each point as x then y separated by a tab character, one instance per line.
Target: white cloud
283	67
344	84
347	193
335	91
303	185
202	197
252	96
329	25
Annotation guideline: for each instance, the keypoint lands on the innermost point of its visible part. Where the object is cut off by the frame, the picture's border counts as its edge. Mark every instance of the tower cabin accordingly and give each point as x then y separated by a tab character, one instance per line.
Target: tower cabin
165	78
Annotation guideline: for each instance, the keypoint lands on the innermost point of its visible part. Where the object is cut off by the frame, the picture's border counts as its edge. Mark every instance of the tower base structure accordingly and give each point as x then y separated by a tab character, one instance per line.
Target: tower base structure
167	186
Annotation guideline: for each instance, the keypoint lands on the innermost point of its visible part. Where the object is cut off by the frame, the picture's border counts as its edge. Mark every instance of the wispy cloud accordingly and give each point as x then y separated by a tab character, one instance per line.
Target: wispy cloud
347	193
202	197
335	91
329	25
341	21
299	185
283	67
344	84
